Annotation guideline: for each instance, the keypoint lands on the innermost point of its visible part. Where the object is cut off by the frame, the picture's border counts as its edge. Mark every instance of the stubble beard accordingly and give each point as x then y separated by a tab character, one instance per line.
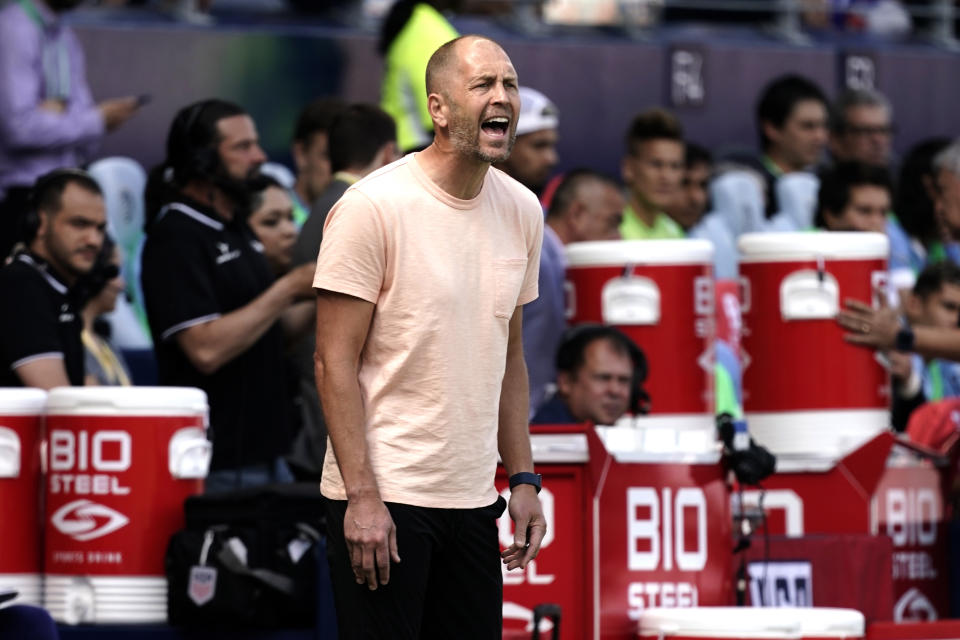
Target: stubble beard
62	258
466	140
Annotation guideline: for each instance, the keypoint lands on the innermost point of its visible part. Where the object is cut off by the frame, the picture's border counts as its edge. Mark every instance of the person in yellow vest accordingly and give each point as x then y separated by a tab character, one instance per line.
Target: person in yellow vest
652	170
411	32
100	287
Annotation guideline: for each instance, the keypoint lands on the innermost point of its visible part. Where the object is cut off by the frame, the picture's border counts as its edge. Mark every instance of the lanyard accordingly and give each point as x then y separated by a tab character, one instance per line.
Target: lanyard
106	358
771	166
55	59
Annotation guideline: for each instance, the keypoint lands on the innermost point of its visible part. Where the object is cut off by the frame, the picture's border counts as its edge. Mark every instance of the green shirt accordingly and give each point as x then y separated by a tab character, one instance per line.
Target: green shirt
726	395
403	93
633	228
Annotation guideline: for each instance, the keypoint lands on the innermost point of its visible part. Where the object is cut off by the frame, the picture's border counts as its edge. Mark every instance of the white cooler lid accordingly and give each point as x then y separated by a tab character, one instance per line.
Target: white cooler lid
91	400
810	245
639	252
752	622
831	623
16	401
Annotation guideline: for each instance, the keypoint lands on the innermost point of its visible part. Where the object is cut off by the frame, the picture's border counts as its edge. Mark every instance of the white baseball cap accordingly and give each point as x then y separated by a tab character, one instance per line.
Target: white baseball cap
536	112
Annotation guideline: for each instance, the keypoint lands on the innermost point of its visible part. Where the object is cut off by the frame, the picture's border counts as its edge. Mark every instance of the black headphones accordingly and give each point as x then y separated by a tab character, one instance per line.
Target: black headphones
30	223
574	342
186	157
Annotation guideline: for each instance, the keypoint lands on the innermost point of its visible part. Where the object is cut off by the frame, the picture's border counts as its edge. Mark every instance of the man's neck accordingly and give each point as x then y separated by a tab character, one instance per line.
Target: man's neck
643	209
460	176
779	162
210	196
64	275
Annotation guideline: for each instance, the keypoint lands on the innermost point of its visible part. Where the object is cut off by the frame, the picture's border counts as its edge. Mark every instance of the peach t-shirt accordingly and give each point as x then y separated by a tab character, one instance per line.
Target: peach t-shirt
446	275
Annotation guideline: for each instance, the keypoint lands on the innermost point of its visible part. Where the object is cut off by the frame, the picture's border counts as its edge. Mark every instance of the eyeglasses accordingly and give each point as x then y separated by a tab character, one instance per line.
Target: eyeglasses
887	130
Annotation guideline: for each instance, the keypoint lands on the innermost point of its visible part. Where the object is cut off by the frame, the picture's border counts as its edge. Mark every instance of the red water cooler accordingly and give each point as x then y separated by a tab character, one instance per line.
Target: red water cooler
21	431
660	293
628	530
120	461
807	393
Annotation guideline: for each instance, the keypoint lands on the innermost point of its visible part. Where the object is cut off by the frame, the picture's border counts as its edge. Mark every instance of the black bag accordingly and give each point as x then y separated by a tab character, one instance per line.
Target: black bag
247	558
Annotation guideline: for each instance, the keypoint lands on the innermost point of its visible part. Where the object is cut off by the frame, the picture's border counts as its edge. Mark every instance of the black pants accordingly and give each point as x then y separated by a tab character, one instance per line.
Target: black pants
13	211
447	585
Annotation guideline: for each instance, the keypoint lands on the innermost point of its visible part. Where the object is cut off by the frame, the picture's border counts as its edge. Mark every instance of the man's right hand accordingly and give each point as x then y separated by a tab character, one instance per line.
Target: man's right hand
371	539
300	280
116	111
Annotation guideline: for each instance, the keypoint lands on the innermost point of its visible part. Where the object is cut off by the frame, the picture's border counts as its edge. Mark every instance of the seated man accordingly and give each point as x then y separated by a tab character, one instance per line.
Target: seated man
40	343
598	369
934	302
853	197
586	206
693	199
652	170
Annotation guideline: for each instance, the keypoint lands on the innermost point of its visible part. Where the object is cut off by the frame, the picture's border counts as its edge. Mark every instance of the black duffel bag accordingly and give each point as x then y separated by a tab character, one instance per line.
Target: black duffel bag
247	558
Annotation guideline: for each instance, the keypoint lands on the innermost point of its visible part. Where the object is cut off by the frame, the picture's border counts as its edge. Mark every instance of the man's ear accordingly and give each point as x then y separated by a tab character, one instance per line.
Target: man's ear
575	217
437	107
299	155
831	219
912	305
626	170
770	131
43	223
564	383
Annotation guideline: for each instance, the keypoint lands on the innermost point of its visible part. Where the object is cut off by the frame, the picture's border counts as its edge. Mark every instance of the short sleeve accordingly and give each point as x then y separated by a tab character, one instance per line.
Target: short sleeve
534	235
352	257
177	284
32	331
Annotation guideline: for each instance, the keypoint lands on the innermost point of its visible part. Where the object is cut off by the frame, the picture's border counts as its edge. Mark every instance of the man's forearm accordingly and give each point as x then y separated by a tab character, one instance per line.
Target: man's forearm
933	342
212	344
513	435
339	390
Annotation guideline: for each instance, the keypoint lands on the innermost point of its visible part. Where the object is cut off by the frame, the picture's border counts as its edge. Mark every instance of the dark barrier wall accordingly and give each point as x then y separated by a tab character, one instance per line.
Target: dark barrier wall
712	82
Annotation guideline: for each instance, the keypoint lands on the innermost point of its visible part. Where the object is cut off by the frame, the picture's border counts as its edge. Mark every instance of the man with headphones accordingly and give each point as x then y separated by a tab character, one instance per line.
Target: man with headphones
599	372
40	343
212	302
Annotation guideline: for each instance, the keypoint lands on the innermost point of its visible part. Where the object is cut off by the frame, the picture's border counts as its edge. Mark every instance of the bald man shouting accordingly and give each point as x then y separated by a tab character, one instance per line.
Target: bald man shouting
421	276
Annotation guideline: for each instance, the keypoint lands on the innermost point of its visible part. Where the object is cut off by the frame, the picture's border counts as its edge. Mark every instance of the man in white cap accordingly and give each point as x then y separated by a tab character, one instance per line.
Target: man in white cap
535	153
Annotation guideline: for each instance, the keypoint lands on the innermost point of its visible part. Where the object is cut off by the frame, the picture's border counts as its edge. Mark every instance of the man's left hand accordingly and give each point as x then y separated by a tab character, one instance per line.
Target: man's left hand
529	527
869	327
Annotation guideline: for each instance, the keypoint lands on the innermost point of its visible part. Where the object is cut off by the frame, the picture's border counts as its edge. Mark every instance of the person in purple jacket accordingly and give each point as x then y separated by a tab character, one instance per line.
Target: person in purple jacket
48	118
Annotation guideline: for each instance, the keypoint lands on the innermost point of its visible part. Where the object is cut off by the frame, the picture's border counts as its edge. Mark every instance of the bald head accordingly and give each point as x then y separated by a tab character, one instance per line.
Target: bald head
444	61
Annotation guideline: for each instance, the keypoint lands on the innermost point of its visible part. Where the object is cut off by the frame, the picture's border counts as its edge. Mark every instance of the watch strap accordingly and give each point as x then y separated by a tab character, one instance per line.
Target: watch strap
904	340
526	477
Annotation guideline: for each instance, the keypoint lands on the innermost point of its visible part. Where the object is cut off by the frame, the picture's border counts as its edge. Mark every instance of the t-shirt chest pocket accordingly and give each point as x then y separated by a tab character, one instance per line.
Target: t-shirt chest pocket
508	276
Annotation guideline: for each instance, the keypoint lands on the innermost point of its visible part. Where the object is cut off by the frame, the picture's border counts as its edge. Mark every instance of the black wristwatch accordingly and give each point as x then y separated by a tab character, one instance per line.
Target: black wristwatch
525	477
904	340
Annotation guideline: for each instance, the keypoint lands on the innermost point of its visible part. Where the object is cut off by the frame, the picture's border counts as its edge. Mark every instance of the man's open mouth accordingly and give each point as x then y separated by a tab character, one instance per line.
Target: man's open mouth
496	126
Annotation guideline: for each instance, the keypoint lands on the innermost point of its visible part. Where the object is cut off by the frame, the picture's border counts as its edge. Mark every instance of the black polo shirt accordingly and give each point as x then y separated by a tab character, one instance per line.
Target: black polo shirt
197	267
38	320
